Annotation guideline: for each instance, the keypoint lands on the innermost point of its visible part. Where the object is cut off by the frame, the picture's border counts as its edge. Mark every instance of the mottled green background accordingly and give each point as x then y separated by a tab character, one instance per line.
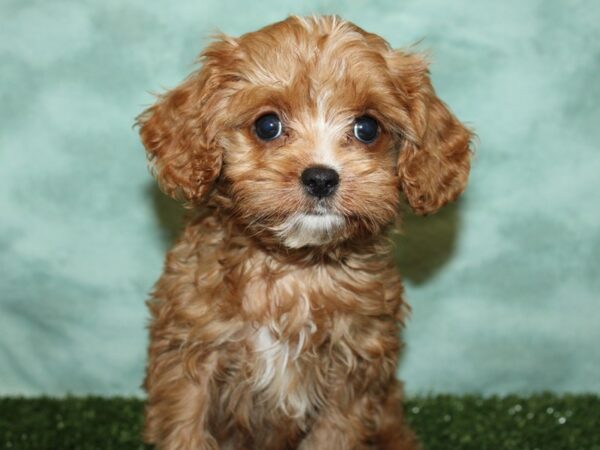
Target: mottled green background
504	285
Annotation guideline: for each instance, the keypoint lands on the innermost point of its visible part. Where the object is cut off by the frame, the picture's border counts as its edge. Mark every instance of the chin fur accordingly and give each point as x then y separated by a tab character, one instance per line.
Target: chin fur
302	229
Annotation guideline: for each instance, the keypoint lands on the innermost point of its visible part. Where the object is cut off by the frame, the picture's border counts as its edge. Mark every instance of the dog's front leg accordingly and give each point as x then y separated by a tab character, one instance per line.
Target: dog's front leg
178	402
370	423
333	433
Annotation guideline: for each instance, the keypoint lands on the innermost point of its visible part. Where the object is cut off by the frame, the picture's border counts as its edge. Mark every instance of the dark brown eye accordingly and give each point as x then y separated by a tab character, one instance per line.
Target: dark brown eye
366	129
268	127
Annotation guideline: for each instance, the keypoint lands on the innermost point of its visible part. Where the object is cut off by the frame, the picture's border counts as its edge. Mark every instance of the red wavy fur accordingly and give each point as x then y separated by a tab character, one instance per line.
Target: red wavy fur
276	322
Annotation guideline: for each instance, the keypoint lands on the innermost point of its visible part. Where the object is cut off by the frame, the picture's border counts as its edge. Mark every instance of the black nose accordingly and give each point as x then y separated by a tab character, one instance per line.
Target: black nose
320	181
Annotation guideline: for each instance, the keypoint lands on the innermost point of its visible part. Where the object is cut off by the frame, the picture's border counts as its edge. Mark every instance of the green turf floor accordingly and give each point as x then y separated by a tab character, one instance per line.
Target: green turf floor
542	422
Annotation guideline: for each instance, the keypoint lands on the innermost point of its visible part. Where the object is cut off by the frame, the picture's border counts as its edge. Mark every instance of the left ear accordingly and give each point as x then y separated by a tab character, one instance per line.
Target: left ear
180	131
434	162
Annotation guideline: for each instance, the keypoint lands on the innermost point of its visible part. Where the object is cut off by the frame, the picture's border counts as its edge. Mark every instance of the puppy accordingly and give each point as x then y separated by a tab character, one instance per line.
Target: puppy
276	322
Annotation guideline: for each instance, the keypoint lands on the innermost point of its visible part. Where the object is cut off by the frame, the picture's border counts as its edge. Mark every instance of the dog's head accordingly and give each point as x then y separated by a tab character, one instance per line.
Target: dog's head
311	128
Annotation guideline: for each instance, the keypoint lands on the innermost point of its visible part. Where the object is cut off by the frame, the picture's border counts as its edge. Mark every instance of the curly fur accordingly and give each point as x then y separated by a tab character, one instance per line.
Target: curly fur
276	322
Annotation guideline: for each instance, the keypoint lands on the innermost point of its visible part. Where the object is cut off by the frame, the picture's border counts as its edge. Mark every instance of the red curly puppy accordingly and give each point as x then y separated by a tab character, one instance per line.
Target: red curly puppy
276	322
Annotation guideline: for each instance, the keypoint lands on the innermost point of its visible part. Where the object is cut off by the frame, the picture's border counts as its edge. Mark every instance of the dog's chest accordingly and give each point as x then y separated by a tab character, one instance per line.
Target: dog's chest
283	372
285	341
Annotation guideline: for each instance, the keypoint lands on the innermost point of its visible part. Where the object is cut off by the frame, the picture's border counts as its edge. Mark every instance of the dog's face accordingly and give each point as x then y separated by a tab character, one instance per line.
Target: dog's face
310	128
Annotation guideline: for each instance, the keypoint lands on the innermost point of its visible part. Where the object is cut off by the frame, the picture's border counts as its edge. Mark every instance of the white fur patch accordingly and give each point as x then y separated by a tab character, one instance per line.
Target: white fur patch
329	134
274	356
276	369
309	229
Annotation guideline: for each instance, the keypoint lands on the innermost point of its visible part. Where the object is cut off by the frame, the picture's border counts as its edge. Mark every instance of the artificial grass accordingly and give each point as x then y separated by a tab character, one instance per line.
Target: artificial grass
539	422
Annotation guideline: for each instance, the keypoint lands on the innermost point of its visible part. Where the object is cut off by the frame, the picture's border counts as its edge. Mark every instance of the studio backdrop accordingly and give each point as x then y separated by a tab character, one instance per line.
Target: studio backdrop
504	285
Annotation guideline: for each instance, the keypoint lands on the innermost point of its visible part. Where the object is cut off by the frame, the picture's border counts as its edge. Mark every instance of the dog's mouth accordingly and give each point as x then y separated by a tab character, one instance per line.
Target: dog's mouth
321	208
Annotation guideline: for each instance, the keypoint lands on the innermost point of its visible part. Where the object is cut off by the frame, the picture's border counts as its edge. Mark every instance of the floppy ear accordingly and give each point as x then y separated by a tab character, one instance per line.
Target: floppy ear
179	131
434	163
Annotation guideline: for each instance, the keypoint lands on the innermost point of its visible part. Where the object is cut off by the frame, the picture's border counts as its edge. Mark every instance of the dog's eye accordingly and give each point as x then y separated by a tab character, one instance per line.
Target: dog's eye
366	129
268	127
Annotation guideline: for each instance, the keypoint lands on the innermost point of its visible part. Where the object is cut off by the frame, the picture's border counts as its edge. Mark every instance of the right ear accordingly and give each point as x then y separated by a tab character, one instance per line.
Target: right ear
434	162
179	132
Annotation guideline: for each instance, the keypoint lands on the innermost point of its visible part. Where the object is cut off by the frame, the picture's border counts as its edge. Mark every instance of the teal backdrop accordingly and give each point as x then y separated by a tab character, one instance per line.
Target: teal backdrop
504	285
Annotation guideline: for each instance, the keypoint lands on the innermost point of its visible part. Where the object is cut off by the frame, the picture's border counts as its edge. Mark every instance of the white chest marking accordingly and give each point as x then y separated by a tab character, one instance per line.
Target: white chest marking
277	373
273	357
